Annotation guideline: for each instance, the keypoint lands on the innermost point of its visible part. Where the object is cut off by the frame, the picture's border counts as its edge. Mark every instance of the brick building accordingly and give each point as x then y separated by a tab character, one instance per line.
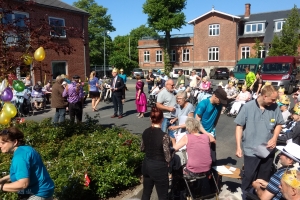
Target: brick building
58	14
219	39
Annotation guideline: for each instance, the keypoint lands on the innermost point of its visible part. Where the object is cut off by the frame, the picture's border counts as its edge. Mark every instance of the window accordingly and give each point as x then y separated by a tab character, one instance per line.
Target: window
213	54
20	33
158	56
186	55
279	25
173	56
262	52
146	56
214	29
245	52
58	68
58	27
254	28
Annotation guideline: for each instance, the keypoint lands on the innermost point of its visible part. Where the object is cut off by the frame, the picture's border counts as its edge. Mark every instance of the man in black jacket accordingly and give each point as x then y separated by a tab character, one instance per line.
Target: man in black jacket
117	85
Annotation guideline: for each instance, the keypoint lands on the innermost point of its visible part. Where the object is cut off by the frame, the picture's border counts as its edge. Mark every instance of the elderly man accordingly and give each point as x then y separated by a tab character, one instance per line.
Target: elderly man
166	102
117	85
290	185
58	101
74	93
259	122
288	156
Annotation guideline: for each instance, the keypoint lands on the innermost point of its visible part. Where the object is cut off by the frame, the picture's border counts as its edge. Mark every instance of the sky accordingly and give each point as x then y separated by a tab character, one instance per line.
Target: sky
128	14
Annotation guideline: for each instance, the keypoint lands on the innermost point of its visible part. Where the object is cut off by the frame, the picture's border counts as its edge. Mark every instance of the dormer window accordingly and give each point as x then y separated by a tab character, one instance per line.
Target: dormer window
278	25
254	27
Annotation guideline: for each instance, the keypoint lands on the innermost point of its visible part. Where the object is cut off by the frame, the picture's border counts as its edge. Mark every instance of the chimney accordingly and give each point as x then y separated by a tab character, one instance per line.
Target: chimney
247	10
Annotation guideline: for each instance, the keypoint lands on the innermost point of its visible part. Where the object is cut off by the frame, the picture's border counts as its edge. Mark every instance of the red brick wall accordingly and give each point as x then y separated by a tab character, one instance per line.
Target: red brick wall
77	63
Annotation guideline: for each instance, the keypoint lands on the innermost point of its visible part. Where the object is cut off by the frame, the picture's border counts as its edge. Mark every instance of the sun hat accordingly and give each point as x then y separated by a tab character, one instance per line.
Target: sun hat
291	150
284	100
64	83
221	95
121	70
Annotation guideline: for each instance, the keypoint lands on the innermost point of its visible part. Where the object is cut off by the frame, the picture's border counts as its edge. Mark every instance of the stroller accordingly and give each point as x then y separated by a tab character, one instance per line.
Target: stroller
22	102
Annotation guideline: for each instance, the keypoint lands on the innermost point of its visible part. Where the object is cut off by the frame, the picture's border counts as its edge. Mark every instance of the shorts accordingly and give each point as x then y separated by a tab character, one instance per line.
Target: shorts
94	94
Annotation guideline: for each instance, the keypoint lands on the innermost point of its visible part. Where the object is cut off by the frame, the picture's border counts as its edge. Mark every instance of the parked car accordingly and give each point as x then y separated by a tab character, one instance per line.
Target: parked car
201	72
219	72
174	72
156	72
136	71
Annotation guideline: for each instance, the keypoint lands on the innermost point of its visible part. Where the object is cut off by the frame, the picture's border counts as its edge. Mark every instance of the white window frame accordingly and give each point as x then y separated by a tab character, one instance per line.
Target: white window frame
246	51
146	56
159	56
13	38
276	24
173	55
185	55
214	30
64	25
59	61
256	26
213	54
262	49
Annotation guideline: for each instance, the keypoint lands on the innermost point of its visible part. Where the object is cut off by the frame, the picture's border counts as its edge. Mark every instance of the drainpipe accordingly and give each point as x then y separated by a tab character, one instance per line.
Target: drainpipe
84	56
194	46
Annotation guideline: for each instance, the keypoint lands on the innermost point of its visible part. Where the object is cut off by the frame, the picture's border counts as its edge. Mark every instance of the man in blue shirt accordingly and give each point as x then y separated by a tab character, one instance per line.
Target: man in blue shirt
124	77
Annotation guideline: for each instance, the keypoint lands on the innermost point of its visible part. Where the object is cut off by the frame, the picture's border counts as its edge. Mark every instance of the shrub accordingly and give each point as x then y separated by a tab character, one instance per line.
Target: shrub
111	157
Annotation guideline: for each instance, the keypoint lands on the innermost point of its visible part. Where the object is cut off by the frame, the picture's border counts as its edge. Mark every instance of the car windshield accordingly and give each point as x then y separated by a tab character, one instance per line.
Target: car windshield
275	68
241	68
176	71
137	70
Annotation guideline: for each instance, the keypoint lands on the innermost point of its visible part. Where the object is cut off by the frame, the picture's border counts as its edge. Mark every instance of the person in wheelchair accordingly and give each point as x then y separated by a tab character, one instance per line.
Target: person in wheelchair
232	93
205	89
38	98
289	156
160	84
241	99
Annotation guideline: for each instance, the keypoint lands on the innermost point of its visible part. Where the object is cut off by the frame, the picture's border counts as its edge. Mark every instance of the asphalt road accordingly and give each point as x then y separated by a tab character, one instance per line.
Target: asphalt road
225	128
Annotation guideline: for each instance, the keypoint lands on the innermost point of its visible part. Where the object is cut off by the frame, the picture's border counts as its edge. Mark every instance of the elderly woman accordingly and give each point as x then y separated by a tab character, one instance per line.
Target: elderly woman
195	143
155	144
183	110
94	92
242	98
204	88
28	175
231	92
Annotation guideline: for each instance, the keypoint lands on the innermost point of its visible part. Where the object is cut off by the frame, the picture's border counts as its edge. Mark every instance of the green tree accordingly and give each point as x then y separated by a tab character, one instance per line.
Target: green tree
164	16
287	41
257	47
125	52
99	24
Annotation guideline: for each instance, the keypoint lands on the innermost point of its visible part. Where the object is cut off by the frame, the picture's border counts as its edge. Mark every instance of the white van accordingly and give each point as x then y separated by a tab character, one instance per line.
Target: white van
174	72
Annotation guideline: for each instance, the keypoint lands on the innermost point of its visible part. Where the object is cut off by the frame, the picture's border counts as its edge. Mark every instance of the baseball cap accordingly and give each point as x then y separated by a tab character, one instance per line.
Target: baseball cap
221	95
291	150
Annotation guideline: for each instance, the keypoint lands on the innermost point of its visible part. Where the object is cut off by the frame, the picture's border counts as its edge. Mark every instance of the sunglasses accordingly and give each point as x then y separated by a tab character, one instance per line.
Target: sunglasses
4	132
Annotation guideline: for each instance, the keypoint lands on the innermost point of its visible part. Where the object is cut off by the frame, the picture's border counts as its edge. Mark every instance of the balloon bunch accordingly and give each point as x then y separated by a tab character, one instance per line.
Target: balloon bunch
9	110
39	55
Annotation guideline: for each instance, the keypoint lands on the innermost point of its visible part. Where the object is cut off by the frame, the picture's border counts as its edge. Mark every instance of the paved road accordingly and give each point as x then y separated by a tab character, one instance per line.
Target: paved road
225	129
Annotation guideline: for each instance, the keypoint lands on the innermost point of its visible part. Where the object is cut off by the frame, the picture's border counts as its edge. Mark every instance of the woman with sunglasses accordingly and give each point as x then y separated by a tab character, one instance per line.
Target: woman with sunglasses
28	174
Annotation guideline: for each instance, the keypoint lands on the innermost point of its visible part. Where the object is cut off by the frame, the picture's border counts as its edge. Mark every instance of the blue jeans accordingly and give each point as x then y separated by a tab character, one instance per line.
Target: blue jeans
59	115
165	125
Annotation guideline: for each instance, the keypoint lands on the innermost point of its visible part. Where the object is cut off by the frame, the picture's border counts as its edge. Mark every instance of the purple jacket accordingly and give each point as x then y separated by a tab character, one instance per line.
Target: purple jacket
72	94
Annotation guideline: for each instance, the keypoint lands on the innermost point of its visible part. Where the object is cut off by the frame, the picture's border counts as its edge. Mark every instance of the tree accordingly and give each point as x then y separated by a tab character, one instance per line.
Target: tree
125	52
257	47
164	16
287	41
99	24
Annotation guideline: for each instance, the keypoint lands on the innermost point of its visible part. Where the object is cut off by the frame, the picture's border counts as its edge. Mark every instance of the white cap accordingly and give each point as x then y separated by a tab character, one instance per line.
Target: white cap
64	83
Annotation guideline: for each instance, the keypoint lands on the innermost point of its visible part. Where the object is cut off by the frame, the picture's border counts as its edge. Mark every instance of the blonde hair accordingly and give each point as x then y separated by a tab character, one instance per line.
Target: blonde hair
192	125
92	75
268	90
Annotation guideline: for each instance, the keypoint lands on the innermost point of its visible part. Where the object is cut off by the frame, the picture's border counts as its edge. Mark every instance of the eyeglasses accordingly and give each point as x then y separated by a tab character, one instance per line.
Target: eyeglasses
4	132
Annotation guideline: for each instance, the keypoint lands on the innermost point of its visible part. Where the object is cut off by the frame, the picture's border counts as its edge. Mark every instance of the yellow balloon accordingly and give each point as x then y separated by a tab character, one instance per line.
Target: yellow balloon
9	109
4	119
27	59
39	54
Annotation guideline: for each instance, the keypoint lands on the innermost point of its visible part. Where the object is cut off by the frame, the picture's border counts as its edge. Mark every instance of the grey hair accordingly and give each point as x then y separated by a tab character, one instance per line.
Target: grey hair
182	94
59	79
192	125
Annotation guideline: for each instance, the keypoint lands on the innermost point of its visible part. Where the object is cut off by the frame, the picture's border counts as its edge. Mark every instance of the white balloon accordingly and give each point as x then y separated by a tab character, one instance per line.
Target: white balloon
3	85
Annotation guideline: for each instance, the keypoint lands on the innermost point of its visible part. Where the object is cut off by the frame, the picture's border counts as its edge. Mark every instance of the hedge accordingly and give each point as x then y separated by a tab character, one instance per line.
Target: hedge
110	156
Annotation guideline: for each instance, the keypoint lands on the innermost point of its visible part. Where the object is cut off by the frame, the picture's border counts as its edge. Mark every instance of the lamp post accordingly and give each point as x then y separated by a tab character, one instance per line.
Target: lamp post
105	32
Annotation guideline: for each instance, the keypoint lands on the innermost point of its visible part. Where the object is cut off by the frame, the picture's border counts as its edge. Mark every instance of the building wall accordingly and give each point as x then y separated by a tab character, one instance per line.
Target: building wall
78	62
226	41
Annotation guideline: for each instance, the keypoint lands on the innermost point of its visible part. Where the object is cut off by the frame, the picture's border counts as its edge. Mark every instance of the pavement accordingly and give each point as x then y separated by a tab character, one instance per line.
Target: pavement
225	133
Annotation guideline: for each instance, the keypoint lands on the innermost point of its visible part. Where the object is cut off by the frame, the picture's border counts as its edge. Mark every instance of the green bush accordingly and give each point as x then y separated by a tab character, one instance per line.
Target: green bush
111	157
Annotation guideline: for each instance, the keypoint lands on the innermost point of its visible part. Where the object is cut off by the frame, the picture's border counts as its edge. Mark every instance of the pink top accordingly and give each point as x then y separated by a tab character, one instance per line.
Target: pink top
198	151
205	85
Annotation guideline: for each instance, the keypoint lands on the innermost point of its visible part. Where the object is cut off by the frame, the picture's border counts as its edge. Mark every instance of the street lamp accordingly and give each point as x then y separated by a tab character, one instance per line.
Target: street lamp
105	32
